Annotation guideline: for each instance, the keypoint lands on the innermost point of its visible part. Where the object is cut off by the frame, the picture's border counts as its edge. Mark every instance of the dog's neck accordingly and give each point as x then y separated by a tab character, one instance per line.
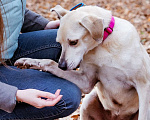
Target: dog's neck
109	29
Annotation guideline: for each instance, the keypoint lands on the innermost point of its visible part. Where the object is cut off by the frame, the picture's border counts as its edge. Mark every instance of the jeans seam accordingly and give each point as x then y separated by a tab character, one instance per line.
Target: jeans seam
56	114
37	49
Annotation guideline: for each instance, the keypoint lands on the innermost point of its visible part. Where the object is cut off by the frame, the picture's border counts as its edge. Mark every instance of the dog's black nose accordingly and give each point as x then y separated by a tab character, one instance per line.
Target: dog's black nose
62	65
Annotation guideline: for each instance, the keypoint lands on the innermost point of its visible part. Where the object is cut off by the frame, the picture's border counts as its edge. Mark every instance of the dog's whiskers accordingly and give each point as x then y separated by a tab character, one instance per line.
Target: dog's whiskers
71	64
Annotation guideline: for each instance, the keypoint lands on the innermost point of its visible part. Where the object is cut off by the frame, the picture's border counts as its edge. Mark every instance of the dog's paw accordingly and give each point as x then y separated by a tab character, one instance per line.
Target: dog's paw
26	63
47	65
46	62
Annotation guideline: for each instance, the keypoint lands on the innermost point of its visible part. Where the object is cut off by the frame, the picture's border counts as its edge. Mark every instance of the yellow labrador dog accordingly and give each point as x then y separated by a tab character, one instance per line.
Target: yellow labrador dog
111	58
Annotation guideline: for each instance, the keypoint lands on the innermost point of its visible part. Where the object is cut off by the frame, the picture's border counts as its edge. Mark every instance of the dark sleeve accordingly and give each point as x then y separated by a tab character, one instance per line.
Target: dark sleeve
7	97
33	22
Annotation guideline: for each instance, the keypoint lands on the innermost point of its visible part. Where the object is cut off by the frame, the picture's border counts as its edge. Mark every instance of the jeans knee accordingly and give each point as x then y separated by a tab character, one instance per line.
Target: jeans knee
73	101
76	98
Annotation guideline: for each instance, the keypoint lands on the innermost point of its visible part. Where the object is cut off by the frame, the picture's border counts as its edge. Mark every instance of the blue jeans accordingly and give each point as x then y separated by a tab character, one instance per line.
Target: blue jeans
39	44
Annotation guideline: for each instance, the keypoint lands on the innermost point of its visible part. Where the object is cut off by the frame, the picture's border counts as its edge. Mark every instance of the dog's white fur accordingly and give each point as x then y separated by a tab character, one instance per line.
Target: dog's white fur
119	66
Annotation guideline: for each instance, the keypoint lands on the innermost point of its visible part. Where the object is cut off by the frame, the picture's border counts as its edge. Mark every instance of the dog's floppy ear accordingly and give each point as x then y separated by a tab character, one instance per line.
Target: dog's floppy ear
59	10
95	26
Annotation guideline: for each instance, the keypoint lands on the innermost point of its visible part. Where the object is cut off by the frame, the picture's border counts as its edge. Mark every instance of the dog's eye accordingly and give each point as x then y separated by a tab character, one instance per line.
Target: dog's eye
74	42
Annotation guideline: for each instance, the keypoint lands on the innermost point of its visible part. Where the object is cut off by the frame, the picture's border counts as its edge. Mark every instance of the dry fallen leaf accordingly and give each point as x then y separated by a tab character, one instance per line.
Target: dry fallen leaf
75	116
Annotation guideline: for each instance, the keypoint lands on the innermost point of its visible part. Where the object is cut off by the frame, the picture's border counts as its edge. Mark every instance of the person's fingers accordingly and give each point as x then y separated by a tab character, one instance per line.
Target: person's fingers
47	95
57	23
49	102
54	101
57	93
53	24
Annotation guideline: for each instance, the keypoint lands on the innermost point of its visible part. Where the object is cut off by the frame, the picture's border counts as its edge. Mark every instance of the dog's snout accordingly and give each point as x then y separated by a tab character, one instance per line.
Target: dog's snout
62	65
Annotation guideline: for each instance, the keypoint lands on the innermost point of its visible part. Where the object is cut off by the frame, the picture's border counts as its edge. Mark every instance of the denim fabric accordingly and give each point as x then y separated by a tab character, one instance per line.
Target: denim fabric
39	44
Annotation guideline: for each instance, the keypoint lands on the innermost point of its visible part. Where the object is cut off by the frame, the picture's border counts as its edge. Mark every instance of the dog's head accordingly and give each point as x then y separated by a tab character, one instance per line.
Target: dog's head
78	33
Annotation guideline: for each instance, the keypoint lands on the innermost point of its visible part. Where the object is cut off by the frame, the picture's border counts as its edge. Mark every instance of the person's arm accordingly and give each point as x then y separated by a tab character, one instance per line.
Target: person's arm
35	97
10	94
33	22
7	97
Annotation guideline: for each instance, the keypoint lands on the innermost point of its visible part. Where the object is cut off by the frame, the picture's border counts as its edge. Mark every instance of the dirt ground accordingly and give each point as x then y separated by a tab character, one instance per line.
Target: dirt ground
135	11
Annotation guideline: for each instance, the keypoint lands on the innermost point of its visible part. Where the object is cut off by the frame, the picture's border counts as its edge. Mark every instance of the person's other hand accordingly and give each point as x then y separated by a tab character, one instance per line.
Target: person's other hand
37	98
52	24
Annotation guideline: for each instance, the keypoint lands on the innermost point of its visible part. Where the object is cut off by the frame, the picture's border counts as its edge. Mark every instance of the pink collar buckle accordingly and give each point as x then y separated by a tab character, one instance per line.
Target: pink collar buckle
109	30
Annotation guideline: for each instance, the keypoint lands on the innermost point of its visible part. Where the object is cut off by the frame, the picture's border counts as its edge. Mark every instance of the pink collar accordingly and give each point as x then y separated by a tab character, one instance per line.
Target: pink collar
109	30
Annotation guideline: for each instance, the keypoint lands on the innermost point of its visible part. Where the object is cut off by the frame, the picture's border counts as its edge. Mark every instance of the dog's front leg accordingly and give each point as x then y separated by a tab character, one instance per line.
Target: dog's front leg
85	81
79	78
143	90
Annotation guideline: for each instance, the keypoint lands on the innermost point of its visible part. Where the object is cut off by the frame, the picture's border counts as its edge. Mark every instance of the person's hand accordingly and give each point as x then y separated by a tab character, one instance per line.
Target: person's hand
52	24
37	98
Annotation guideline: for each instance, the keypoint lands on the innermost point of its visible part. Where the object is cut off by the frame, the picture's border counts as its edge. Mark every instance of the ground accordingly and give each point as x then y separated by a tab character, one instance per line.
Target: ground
135	11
